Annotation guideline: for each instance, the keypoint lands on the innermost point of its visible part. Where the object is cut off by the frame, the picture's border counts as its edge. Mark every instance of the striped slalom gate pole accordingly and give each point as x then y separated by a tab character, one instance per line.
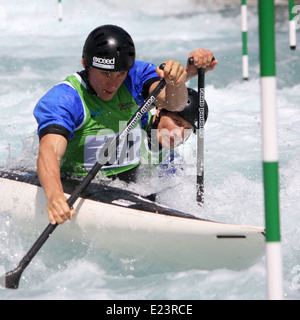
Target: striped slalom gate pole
293	41
245	40
270	149
60	11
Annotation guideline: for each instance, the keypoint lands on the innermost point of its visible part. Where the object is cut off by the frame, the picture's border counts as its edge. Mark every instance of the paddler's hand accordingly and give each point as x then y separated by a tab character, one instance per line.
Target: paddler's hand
202	59
173	73
174	96
58	209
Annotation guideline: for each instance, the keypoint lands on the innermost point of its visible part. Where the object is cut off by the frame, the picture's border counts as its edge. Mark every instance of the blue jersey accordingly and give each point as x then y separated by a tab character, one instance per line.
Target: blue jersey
63	106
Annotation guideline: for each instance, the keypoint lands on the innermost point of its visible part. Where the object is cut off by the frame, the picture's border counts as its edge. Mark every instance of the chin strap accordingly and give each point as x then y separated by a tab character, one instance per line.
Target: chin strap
153	125
85	77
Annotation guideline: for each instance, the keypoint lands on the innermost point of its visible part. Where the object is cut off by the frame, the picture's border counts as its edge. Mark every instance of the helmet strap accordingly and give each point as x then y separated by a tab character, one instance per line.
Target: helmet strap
84	74
153	125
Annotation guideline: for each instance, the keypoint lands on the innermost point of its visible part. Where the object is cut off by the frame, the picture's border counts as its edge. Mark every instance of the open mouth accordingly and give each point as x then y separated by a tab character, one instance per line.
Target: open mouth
109	92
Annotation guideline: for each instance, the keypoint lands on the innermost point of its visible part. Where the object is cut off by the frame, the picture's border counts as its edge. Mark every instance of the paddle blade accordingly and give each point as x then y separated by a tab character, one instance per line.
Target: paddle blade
11	279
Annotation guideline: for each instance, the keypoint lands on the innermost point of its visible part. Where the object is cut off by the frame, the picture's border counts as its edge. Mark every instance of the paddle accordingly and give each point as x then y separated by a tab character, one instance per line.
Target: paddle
200	134
11	279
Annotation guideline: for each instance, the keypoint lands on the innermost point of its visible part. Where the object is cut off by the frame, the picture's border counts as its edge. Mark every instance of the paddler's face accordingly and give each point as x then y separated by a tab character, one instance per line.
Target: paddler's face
106	83
173	130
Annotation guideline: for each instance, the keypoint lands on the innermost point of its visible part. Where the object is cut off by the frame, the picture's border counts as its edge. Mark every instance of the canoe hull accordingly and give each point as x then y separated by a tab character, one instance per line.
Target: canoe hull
116	227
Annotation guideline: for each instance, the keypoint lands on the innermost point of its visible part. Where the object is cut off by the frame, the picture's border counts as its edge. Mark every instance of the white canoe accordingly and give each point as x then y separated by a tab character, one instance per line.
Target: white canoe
126	223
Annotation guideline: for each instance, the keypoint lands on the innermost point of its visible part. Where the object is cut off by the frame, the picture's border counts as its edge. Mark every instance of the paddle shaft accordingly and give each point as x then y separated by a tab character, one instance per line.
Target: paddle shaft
200	137
200	134
12	278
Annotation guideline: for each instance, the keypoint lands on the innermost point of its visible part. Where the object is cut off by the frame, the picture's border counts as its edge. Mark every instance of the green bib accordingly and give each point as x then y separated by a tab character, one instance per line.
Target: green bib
103	120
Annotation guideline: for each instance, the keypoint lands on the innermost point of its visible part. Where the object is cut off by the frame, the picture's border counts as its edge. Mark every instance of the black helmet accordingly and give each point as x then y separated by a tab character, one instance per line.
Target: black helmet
190	112
109	48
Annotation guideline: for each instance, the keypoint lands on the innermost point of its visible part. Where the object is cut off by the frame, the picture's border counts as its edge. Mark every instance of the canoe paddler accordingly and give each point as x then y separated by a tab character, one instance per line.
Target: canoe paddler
78	116
173	128
167	130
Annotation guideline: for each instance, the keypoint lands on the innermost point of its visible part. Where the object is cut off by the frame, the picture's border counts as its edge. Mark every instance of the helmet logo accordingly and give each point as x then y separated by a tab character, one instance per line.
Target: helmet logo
102	63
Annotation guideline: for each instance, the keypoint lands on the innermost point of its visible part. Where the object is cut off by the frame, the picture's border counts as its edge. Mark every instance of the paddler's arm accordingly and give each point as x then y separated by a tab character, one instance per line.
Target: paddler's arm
174	97
51	150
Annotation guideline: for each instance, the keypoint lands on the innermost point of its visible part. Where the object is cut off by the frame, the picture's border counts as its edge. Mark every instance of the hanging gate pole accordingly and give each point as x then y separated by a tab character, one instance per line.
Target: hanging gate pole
245	40
270	149
60	10
293	40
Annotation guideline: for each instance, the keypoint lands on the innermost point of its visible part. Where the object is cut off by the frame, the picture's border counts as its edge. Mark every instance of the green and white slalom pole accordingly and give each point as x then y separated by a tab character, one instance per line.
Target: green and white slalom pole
60	10
245	40
293	40
270	149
